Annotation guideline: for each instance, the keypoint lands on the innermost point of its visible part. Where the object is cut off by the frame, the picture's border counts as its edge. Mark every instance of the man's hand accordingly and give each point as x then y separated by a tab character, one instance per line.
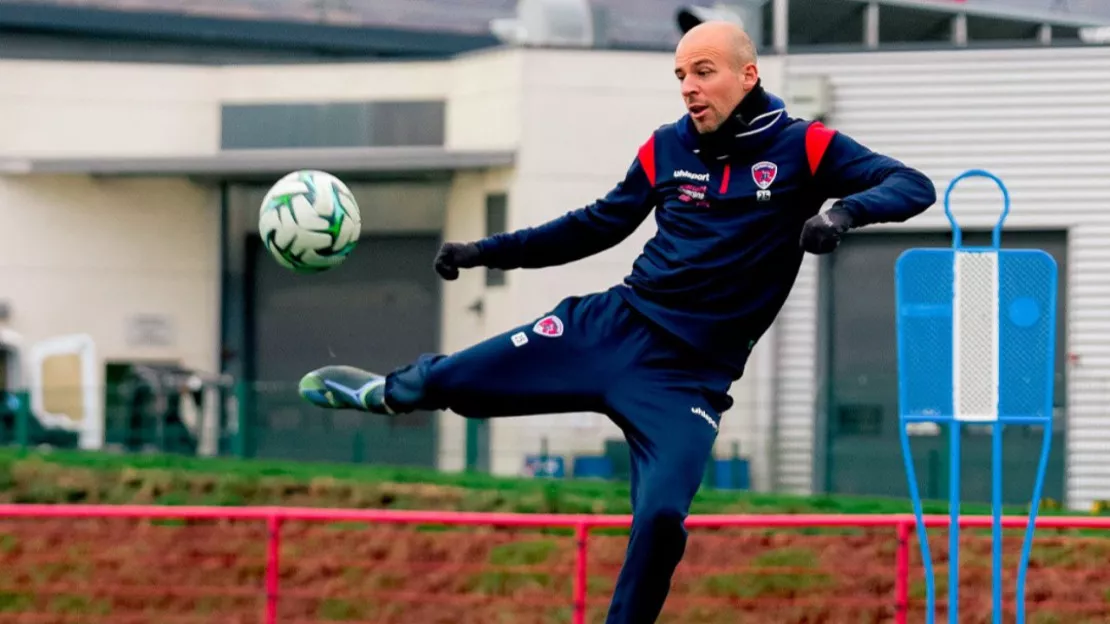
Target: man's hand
455	256
821	233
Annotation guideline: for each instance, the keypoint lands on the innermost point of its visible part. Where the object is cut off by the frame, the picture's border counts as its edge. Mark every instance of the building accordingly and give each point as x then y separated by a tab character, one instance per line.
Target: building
137	185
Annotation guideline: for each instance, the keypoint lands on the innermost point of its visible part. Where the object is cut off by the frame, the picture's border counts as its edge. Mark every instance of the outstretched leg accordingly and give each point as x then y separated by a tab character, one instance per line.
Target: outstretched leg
557	363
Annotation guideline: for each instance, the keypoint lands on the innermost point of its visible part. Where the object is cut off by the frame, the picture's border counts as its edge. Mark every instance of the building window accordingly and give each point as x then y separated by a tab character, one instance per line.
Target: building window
332	124
497	220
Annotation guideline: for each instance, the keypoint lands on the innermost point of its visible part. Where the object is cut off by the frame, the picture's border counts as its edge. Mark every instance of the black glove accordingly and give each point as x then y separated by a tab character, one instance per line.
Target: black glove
821	233
455	256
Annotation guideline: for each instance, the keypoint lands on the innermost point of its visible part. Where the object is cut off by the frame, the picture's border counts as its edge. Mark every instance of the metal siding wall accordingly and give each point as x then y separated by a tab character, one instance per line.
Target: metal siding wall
1040	120
797	386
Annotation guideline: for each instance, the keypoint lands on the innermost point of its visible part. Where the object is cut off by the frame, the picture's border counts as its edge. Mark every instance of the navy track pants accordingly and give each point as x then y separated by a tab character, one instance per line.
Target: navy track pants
597	354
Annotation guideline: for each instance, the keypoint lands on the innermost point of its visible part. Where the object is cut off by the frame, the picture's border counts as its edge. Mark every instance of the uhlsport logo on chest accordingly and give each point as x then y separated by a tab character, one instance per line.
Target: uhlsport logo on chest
763	174
690	175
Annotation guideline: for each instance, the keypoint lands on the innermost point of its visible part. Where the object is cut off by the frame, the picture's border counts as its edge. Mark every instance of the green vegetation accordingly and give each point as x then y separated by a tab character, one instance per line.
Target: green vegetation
794	571
87	477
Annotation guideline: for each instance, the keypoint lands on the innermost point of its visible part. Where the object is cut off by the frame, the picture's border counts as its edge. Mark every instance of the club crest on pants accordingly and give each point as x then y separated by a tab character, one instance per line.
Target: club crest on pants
549	326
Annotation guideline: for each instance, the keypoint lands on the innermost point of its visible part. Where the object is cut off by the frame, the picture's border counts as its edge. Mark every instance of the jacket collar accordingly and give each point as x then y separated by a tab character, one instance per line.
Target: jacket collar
755	122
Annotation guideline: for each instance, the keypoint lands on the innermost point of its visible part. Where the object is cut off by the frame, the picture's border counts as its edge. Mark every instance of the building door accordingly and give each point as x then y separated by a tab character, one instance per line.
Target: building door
863	454
377	311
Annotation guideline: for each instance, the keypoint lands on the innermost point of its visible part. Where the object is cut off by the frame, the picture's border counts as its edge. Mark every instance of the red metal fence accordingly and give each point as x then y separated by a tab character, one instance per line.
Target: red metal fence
184	564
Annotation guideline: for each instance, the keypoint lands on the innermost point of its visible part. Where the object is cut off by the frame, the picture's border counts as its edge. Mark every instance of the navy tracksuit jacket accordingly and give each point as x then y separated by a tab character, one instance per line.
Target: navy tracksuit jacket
658	353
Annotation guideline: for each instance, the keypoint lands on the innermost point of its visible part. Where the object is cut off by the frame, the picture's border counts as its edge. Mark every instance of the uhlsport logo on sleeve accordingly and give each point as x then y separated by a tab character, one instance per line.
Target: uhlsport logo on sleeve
550	326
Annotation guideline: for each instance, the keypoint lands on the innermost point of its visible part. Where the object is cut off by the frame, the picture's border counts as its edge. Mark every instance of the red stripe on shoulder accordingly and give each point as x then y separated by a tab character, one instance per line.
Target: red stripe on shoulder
818	138
646	156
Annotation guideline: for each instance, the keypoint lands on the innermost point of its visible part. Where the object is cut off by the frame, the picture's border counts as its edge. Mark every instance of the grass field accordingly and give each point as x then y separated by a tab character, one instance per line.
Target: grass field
80	477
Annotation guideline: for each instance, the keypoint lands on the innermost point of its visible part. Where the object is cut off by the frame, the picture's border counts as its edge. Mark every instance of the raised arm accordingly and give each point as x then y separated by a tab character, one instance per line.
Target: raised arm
868	187
578	234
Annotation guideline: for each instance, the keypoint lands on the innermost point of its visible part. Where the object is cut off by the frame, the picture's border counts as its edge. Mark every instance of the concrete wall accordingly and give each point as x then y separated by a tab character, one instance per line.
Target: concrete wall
87	255
68	109
106	109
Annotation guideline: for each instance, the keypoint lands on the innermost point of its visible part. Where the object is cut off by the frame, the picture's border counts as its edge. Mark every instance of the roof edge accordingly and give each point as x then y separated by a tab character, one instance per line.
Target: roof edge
339	161
178	27
974	9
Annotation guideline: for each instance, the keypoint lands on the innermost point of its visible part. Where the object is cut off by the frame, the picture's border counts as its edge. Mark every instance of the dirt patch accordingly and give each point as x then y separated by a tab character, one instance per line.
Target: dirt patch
161	572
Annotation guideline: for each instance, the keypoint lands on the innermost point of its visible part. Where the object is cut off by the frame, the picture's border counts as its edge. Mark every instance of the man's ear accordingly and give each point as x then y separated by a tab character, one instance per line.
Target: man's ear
751	76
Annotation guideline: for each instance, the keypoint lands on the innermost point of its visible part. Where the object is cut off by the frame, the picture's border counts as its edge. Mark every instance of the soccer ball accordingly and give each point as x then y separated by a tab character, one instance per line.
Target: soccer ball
309	221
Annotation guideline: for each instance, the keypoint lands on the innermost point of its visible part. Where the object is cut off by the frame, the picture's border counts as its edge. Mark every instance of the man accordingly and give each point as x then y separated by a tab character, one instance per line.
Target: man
737	186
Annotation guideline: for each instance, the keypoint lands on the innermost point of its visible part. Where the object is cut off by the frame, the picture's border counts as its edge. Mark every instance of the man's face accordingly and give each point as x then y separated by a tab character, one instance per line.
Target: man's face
713	81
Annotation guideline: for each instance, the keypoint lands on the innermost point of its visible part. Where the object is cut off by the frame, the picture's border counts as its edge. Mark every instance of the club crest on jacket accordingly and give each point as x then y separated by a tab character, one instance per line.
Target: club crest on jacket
764	173
549	326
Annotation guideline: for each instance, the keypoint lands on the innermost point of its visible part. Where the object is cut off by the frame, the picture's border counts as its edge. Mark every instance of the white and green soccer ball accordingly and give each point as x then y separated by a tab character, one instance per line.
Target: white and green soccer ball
309	221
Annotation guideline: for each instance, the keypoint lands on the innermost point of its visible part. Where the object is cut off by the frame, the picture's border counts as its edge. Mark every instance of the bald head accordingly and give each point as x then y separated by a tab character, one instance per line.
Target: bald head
729	38
716	64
